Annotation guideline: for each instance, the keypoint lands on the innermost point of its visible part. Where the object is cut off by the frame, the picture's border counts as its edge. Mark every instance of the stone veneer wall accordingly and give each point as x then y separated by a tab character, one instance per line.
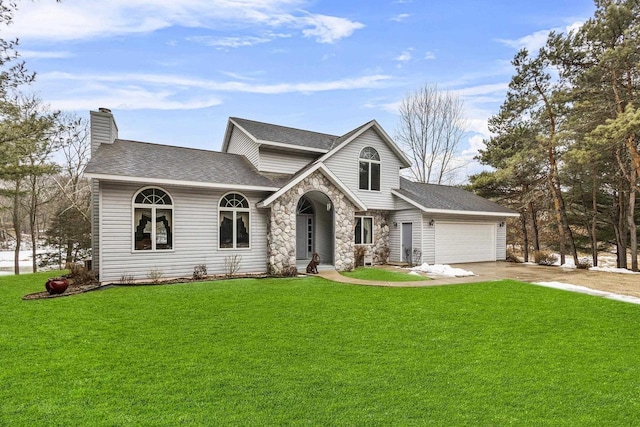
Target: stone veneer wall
380	247
282	225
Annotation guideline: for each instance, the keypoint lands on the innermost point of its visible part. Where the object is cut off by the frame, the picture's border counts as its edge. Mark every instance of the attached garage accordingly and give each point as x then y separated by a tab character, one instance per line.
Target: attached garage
456	226
464	242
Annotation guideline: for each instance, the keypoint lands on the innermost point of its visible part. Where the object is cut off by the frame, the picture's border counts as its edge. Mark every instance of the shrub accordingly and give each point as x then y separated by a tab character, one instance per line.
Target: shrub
289	271
232	264
512	257
545	258
416	258
79	275
155	275
584	264
199	272
126	279
383	254
358	255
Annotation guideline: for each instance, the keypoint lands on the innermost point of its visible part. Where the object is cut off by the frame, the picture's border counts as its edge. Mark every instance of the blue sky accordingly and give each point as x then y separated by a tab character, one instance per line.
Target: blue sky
173	71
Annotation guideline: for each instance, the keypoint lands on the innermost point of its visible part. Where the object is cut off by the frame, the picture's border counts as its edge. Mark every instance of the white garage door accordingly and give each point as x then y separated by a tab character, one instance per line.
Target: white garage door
465	242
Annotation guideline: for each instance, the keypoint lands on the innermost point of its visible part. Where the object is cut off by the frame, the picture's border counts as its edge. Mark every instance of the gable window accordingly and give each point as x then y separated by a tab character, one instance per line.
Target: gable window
233	214
369	170
152	220
364	230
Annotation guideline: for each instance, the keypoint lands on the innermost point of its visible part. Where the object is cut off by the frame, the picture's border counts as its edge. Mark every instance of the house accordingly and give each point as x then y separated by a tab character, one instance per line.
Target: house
270	198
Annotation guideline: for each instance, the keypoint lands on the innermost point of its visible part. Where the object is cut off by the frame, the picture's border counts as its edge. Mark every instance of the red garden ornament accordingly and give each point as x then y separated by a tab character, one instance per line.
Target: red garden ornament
56	285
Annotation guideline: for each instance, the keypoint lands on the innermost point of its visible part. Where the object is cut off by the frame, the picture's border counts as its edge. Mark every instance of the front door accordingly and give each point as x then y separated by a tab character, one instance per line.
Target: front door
406	242
304	236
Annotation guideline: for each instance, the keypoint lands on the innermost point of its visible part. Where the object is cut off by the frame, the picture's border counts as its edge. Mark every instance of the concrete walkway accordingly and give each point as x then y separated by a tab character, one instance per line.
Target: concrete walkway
623	284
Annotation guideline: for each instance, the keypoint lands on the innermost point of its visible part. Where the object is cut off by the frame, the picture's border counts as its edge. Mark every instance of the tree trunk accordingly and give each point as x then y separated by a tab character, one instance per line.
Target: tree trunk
523	223
633	234
622	232
33	229
17	227
534	227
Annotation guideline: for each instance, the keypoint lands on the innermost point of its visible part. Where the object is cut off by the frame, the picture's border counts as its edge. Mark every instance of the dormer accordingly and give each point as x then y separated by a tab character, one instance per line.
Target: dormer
273	148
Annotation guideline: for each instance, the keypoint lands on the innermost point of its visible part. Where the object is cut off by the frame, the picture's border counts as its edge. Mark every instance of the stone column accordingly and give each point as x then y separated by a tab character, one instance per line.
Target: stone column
282	225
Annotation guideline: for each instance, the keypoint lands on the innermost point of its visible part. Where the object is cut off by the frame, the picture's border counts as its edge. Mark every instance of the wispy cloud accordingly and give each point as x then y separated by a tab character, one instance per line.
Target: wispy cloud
429	55
404	57
133	98
233	42
533	42
399	18
78	20
46	54
139	91
329	29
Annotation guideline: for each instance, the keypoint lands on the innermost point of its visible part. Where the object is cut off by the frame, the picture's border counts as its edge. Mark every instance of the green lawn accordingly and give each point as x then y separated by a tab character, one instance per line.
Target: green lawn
308	351
383	275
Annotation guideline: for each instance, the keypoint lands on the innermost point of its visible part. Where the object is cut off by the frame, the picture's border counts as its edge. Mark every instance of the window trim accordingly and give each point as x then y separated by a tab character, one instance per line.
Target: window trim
235	231
369	174
153	208
362	229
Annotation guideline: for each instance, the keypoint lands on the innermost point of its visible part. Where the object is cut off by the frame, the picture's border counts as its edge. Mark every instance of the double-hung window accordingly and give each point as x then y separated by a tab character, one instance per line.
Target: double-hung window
369	169
152	220
233	214
364	230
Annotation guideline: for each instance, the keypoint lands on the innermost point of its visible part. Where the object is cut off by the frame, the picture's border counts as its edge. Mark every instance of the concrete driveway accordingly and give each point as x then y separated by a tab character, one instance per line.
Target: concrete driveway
624	284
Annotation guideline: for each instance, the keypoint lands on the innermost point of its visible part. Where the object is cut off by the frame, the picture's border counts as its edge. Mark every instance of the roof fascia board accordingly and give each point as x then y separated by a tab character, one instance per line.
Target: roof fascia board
452	211
393	145
336	181
120	178
291	146
227	136
382	133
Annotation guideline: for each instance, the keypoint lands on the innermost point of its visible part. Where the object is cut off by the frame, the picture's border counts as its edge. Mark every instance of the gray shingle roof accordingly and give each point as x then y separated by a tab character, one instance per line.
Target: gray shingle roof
433	196
348	135
286	135
145	160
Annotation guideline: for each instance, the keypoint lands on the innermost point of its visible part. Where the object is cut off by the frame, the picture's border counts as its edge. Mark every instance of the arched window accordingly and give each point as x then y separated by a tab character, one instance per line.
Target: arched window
304	207
233	214
152	220
369	169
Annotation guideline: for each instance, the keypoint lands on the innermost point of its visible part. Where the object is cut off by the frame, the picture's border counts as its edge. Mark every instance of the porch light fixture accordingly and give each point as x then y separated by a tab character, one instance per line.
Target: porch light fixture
395	224
431	223
501	224
328	206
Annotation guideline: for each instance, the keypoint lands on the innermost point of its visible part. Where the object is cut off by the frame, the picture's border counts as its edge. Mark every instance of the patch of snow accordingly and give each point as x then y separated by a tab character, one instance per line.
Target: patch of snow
614	270
589	291
6	261
415	273
442	270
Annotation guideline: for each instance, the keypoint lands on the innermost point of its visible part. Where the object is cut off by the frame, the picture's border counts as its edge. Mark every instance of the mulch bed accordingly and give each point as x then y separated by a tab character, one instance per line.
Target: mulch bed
79	288
73	289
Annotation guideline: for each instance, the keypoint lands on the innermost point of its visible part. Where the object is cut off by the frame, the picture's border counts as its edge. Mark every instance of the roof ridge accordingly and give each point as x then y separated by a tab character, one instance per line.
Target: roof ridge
285	127
178	146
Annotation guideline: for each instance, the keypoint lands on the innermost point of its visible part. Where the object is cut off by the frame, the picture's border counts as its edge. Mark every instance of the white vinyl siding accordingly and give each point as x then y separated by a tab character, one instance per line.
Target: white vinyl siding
195	238
283	162
501	241
95	225
345	165
428	240
395	232
103	129
324	232
240	143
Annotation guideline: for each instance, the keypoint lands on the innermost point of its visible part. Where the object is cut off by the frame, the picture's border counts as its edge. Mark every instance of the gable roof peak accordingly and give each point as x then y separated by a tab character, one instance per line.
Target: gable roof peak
278	135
